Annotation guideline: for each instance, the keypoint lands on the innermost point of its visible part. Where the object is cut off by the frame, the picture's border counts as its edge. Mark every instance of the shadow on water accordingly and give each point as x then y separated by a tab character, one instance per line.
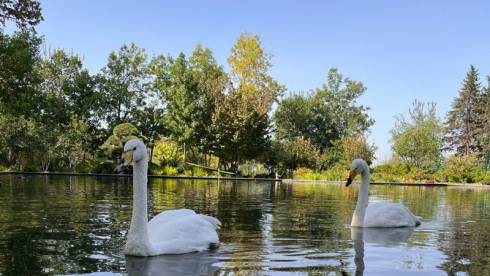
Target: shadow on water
385	237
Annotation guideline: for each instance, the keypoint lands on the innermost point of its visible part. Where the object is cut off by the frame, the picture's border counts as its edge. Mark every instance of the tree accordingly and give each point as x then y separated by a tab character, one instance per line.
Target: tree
19	54
241	122
463	120
325	116
23	12
294	153
418	141
124	84
354	147
190	88
73	143
21	140
484	106
67	90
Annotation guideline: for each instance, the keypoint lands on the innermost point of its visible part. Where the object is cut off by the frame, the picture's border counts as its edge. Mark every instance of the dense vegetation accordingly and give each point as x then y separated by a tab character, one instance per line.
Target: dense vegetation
58	116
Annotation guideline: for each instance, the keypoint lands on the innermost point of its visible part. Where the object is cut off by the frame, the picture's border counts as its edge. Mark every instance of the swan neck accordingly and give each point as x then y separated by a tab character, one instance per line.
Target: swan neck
138	231
362	201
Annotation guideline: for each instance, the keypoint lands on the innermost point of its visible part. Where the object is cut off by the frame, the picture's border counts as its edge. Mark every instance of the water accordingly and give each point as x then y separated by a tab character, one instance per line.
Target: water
77	225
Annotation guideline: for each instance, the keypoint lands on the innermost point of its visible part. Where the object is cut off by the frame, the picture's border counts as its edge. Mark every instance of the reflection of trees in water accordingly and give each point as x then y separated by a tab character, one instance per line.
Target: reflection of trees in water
78	224
466	239
57	222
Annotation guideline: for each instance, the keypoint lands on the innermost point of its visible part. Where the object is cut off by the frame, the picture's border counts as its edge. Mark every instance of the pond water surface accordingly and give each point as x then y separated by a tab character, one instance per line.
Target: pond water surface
76	225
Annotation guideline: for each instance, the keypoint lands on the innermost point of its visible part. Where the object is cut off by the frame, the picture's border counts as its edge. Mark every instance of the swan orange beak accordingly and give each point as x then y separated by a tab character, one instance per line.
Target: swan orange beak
352	175
127	156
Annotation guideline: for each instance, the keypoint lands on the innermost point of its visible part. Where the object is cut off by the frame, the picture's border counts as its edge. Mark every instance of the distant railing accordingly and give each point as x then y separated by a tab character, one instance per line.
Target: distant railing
211	169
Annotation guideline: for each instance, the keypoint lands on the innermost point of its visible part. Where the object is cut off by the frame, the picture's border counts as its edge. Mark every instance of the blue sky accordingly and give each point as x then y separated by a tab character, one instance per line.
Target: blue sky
401	50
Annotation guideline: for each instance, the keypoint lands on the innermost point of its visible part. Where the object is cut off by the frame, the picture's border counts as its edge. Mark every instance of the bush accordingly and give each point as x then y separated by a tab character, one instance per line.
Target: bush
335	173
462	169
483	177
167	153
195	171
165	170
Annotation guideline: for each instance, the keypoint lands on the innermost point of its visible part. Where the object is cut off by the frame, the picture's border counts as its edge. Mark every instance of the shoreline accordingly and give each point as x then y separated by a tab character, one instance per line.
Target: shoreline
285	180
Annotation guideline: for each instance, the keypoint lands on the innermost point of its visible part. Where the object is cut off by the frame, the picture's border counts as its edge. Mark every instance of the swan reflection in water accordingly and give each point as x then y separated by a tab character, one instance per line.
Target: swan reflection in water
200	263
386	237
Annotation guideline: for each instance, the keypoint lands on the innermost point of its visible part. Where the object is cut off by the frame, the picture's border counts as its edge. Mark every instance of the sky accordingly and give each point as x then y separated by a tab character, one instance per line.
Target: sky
400	50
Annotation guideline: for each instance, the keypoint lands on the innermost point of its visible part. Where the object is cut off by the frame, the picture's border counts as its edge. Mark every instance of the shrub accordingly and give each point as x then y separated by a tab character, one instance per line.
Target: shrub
462	169
167	153
195	171
483	177
165	170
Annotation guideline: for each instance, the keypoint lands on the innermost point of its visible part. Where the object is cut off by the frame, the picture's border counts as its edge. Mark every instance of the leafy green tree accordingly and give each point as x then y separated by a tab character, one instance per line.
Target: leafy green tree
20	141
463	120
190	88
325	116
68	89
294	153
19	54
23	12
418	140
124	84
73	143
241	121
354	147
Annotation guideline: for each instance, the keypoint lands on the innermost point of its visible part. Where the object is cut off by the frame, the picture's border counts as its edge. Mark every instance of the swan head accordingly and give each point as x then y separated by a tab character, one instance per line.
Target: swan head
134	151
358	166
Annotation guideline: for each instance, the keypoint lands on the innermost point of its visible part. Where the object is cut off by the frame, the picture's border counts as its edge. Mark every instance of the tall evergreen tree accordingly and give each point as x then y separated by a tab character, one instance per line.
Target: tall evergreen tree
484	105
464	119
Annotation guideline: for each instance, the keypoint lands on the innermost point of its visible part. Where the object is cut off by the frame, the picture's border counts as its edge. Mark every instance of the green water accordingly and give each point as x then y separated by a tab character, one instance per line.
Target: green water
76	225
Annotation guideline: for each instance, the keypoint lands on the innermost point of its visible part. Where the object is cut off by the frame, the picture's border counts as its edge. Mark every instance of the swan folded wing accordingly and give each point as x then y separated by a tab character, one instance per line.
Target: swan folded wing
187	233
384	214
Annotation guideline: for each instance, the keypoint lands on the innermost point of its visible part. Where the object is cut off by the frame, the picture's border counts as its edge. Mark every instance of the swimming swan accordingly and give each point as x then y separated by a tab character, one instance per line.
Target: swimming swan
380	214
170	232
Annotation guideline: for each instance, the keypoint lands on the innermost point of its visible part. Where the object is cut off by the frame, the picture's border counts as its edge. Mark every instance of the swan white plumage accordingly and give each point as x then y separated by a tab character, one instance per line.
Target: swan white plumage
170	232
380	214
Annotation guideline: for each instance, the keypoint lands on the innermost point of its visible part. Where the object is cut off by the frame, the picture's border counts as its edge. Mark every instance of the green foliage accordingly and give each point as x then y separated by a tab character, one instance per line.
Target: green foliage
19	141
327	115
294	153
124	84
168	153
196	171
19	55
348	149
418	141
462	168
241	122
165	170
336	173
23	13
484	107
121	133
464	119
190	88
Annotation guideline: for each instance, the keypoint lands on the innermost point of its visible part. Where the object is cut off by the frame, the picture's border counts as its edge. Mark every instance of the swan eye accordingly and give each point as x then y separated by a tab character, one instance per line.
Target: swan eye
134	148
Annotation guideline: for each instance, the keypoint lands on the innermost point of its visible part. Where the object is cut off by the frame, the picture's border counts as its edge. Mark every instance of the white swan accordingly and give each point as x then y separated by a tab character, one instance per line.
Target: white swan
170	232
380	214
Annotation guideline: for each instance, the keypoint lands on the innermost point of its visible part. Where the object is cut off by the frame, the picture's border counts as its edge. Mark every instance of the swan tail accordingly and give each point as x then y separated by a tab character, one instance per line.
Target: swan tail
214	221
